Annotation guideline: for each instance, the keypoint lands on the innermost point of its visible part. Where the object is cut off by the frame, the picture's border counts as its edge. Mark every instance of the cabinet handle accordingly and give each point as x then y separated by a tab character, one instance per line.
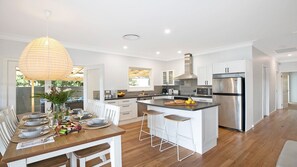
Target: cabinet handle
111	102
126	106
227	69
126	101
125	113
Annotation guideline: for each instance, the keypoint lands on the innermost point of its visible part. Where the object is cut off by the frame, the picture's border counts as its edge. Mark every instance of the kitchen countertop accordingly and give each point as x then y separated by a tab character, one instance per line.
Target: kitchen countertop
160	103
153	95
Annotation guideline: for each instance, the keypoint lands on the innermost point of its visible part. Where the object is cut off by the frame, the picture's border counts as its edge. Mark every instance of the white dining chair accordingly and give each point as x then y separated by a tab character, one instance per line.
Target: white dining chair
11	126
95	107
112	113
59	161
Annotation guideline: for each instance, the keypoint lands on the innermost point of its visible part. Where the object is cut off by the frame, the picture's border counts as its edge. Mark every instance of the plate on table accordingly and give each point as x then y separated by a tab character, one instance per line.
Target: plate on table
97	122
36	122
33	132
75	110
36	115
86	116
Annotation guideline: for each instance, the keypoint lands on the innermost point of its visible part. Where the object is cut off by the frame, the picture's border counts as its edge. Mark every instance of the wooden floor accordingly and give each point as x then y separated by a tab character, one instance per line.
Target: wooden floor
258	147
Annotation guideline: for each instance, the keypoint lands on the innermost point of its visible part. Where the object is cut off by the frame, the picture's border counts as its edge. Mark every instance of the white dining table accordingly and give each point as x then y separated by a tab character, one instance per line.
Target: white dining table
66	144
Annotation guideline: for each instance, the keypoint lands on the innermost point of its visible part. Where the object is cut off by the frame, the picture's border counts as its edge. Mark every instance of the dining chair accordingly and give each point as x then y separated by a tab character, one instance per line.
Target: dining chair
59	161
112	113
95	107
11	127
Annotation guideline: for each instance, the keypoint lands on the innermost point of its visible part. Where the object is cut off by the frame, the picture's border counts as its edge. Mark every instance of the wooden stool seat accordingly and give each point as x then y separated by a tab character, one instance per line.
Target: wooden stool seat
152	112
52	162
2	164
177	118
91	150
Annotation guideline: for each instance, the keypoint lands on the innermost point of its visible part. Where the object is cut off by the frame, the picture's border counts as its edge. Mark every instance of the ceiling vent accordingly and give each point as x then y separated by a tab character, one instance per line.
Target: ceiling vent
286	50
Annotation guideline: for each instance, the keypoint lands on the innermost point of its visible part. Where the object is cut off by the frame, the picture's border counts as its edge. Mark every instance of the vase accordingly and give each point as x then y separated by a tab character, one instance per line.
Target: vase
58	110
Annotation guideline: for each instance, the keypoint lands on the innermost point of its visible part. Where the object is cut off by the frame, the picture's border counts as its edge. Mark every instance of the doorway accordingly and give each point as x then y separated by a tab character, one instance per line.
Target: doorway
285	89
265	91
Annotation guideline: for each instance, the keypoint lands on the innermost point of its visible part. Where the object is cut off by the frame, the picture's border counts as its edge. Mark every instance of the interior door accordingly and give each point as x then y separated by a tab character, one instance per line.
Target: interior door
93	83
285	89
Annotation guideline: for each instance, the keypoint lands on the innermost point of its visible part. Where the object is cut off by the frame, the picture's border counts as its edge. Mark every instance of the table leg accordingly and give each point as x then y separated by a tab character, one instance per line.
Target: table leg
19	163
73	160
116	152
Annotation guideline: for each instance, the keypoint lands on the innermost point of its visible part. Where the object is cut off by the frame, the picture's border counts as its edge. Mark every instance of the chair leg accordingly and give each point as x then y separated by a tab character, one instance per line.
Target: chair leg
103	157
194	147
82	162
141	129
153	128
73	160
166	141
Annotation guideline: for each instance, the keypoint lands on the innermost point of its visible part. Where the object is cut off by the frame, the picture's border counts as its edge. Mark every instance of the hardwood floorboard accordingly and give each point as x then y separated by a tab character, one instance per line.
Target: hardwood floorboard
260	146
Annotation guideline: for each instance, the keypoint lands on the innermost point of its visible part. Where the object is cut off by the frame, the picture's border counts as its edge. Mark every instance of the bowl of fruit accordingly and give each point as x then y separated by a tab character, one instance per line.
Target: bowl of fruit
190	101
121	94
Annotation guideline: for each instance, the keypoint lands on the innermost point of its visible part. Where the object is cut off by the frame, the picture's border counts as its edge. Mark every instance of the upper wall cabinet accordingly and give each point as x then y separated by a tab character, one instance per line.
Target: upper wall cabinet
229	67
204	75
168	77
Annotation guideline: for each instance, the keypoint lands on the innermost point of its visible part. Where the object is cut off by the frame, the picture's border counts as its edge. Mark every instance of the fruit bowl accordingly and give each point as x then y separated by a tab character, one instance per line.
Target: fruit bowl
121	94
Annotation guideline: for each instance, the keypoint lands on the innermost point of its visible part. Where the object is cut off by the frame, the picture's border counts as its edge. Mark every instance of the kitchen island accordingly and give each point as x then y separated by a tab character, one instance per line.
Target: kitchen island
204	119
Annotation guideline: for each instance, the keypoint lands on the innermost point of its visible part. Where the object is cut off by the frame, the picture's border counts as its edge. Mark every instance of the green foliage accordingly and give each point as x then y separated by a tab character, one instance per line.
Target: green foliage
55	95
67	83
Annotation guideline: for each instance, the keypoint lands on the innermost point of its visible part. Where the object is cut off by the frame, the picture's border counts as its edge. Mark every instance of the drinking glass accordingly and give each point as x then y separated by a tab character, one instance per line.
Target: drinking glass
80	114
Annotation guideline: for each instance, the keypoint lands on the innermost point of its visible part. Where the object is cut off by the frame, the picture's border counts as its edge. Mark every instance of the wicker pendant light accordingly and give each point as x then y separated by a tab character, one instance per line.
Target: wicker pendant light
45	59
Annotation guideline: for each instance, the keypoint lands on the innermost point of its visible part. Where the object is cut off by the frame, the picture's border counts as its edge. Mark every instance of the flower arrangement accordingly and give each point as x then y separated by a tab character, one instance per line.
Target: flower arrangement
55	95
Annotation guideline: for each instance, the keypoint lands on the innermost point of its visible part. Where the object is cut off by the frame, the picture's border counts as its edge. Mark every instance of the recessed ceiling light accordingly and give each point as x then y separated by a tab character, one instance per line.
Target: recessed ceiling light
125	47
167	31
158	52
131	37
289	54
179	52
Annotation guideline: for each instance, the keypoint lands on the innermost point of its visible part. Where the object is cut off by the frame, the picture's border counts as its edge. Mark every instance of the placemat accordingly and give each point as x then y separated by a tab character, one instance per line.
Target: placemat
15	138
85	126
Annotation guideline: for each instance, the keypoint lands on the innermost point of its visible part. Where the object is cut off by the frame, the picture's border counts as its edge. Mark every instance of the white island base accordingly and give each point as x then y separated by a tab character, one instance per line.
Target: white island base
204	127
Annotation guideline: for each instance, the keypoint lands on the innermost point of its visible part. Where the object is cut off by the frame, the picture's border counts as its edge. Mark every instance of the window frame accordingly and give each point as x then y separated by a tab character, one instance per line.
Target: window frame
149	88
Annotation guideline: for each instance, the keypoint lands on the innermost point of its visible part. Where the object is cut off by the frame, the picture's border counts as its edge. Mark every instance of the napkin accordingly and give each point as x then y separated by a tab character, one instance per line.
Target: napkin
35	142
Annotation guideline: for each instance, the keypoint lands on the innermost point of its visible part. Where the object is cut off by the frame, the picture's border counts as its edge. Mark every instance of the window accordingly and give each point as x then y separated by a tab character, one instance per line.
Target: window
140	79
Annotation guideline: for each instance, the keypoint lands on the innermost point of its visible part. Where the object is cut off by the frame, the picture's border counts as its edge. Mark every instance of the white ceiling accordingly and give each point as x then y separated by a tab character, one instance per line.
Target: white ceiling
197	25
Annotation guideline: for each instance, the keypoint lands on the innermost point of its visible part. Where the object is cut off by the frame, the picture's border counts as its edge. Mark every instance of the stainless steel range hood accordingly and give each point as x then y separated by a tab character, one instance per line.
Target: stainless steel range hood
188	68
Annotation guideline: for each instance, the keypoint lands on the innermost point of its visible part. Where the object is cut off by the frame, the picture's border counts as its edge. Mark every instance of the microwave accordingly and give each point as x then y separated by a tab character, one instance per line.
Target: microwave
204	91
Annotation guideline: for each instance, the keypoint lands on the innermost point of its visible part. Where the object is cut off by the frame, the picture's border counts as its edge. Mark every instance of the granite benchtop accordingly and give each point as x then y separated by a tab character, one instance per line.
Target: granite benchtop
160	103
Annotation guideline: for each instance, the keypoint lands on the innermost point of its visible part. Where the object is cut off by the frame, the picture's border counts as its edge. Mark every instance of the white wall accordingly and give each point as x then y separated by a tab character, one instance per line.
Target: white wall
260	60
116	67
293	86
288	67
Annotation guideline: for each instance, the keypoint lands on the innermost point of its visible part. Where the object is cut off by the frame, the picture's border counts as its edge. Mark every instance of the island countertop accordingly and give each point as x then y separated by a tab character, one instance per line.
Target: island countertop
160	103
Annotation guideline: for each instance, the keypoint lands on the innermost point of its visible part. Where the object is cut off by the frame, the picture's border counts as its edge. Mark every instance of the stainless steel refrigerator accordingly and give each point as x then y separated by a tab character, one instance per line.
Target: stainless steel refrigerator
228	90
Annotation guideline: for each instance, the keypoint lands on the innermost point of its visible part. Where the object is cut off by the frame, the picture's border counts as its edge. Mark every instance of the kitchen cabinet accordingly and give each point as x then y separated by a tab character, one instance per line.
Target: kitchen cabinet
204	75
128	108
163	97
202	99
168	77
229	67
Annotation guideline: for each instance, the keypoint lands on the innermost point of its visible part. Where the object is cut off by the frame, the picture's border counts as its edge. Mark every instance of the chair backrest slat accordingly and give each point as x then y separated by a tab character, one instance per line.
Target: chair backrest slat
4	135
95	107
112	113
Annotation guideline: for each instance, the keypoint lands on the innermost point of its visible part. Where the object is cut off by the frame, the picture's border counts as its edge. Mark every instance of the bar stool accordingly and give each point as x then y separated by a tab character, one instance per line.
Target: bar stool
177	119
151	114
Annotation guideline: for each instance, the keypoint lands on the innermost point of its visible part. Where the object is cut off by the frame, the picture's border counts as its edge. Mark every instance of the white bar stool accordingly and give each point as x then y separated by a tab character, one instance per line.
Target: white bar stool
151	114
176	119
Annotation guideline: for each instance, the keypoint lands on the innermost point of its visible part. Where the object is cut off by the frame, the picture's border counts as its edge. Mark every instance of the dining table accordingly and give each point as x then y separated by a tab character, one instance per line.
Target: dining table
66	144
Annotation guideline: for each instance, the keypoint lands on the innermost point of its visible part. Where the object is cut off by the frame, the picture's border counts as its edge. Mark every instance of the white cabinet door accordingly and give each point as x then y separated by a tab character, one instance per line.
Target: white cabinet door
201	79
205	75
209	75
163	97
164	78
236	66
201	99
168	77
229	67
128	108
